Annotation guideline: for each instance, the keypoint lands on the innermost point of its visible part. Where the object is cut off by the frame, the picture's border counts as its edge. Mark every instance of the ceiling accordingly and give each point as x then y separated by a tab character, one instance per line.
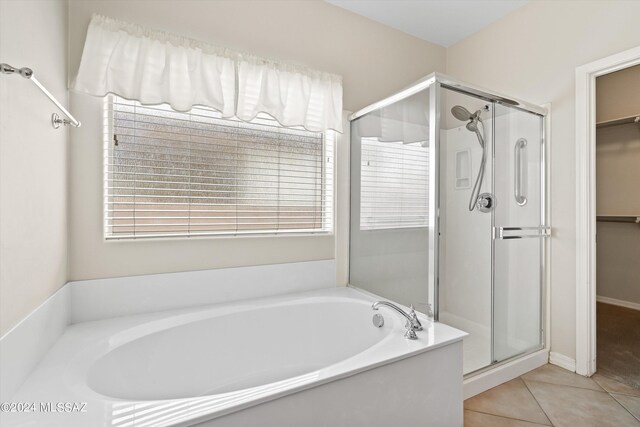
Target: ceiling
443	22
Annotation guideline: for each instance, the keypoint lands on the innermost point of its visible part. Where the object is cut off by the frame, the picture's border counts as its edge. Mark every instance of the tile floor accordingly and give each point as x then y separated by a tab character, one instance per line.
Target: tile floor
618	343
552	396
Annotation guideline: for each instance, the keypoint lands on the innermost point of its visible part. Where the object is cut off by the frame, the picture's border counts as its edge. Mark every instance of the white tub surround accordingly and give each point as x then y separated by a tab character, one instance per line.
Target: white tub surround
22	347
298	359
122	296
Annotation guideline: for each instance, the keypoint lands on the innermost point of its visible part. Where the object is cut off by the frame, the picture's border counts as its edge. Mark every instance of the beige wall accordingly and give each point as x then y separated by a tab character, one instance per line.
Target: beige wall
618	95
618	170
617	268
532	54
33	158
374	61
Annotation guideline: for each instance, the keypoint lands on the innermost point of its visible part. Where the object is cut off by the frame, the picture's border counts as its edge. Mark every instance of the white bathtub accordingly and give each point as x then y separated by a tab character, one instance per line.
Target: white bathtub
296	360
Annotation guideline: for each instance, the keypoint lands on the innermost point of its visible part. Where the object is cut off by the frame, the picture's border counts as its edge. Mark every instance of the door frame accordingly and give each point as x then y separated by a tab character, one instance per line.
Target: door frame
586	202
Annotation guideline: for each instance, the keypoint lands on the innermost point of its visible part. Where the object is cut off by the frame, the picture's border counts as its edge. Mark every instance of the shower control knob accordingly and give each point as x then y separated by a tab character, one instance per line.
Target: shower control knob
486	202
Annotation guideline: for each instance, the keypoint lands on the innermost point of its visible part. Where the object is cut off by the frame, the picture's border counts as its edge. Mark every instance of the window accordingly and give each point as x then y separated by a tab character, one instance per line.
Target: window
394	182
170	173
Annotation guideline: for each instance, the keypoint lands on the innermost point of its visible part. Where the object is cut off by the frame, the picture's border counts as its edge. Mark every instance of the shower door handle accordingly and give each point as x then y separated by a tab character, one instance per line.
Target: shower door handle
507	233
519	173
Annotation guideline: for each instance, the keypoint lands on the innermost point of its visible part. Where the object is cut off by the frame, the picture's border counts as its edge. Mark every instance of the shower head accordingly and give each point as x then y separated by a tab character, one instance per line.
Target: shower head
463	114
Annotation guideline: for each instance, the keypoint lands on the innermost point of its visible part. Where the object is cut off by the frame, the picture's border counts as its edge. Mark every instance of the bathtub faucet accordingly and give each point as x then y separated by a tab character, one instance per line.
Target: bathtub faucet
412	325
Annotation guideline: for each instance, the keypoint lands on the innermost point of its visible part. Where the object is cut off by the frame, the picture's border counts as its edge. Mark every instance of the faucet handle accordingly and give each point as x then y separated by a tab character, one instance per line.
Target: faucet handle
430	311
415	323
410	334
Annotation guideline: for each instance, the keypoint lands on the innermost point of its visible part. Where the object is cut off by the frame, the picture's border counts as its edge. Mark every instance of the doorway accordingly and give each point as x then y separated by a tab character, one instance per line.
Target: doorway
618	225
587	207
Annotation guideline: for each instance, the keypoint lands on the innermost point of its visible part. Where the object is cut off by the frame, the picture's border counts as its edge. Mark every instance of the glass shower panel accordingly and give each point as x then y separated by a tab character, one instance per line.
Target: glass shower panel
518	233
390	192
465	255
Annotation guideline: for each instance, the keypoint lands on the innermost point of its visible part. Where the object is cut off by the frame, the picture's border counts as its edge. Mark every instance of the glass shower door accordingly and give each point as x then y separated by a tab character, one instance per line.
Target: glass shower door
518	232
465	255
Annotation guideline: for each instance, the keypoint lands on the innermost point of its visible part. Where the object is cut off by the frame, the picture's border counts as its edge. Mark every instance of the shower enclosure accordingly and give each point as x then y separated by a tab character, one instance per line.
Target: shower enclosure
448	212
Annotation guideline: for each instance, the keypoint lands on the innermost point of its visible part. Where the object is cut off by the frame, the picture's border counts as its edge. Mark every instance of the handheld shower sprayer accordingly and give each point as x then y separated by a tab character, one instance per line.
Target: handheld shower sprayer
462	114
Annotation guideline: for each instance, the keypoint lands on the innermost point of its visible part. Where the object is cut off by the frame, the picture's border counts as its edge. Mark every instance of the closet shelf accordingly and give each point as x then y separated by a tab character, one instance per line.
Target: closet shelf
619	218
621	121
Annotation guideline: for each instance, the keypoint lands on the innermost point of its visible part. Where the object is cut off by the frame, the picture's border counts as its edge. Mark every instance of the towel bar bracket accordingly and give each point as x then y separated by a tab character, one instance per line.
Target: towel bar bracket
57	121
27	73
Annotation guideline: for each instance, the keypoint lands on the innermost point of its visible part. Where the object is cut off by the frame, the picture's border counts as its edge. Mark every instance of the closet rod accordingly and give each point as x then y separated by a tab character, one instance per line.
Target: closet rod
617	122
27	73
618	218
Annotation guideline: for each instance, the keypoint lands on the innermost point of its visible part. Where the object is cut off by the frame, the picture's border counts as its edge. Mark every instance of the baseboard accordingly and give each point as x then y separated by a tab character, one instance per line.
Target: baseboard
503	373
22	348
618	302
562	361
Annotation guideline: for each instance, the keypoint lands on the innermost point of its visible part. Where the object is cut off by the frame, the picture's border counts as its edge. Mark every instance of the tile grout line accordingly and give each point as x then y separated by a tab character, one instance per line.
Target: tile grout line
616	392
580	388
534	398
509	418
602	389
623	407
567	385
624	394
513	417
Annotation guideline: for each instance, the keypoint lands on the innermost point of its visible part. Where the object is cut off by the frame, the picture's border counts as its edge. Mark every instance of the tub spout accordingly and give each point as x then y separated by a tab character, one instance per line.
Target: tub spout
412	325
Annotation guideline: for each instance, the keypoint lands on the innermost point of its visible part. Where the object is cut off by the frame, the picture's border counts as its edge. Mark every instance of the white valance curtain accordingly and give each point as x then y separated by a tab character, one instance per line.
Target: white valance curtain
154	68
293	97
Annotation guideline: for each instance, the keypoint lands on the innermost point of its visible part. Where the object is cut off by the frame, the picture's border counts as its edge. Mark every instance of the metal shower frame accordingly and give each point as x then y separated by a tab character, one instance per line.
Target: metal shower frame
436	81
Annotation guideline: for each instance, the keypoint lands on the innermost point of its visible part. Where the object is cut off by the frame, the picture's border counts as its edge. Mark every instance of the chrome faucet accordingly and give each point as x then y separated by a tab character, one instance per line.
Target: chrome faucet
412	325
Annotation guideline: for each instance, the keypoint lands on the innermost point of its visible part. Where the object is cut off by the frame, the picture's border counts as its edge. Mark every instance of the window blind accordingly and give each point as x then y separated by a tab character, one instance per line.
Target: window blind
170	173
394	185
